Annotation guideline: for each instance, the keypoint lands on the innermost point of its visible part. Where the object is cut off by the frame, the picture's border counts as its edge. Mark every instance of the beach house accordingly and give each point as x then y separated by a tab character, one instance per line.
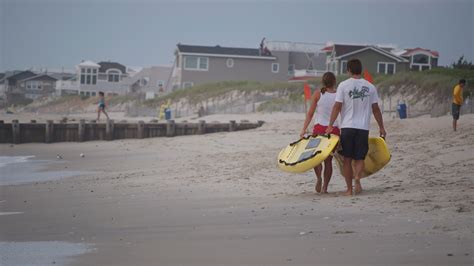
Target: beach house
151	81
420	58
274	61
375	59
196	64
93	77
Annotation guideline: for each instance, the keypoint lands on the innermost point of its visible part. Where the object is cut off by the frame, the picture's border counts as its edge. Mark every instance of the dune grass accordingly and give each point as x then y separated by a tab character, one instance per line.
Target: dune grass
202	92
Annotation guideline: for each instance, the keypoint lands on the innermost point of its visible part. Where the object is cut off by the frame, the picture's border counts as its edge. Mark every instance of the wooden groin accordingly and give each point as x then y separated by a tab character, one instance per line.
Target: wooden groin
49	132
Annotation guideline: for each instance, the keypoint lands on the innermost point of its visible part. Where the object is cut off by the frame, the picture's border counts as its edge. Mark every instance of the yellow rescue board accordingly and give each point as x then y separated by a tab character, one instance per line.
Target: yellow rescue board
377	157
306	153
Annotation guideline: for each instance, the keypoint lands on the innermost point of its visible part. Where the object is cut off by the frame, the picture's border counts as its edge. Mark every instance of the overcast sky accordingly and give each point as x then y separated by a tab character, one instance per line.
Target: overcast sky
60	33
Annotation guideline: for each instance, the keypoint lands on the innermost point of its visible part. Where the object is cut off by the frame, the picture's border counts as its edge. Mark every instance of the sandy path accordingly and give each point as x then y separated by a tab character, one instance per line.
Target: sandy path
219	199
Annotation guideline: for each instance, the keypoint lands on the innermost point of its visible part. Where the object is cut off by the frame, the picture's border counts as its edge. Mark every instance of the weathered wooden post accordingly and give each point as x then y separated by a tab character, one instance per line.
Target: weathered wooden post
16	131
141	129
232	125
48	136
109	129
201	127
3	138
170	128
93	130
81	130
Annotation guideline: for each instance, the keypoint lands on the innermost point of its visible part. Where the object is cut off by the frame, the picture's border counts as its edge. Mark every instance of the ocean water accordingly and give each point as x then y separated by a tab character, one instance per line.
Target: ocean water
39	253
6	160
25	169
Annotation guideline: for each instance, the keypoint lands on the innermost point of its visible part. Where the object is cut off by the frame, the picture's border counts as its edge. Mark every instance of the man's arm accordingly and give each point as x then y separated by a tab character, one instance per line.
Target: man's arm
378	117
336	109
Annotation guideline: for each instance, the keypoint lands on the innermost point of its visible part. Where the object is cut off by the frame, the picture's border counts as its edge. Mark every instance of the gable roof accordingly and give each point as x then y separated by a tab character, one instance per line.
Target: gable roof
219	50
342	49
40	77
377	50
21	75
411	51
61	76
88	63
104	66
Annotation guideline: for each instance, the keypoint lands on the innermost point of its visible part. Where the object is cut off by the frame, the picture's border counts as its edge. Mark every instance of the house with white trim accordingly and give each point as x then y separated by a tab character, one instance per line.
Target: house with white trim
196	65
375	59
93	77
420	58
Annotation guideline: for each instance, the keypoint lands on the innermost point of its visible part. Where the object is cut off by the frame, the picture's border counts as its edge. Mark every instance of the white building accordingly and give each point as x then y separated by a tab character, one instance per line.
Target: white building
93	77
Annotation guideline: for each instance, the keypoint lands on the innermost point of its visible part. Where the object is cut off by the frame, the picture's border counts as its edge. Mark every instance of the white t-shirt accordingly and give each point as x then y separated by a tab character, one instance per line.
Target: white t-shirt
357	97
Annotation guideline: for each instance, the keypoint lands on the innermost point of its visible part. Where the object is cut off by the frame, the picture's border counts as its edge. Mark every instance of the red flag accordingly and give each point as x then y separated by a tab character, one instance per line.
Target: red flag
307	91
367	76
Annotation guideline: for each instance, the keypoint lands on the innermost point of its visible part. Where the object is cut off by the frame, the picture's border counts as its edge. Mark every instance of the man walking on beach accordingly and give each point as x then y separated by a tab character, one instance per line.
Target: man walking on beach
356	99
457	102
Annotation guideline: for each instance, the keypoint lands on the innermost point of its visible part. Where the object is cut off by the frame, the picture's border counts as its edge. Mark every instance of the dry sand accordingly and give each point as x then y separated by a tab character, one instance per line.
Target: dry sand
219	199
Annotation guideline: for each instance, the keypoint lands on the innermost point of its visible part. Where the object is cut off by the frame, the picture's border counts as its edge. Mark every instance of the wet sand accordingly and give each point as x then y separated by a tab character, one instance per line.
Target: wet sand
219	199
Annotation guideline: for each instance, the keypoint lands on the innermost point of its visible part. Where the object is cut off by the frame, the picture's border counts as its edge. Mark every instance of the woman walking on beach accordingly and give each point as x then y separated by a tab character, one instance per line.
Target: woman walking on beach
322	102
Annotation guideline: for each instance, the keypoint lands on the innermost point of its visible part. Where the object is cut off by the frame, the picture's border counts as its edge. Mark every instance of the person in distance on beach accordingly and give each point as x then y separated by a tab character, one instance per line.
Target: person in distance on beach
457	102
101	107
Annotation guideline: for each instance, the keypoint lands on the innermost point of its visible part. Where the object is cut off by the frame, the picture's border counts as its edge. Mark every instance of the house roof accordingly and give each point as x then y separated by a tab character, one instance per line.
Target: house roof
385	52
342	49
62	76
88	63
104	66
40	77
411	51
219	50
21	75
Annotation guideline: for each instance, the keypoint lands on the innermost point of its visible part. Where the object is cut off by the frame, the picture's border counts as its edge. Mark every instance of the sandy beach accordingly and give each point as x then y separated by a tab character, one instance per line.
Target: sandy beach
220	199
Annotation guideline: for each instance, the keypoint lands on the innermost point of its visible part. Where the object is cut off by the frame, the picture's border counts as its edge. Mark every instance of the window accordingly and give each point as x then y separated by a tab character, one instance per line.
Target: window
291	69
196	63
93	93
229	62
161	83
203	62
33	85
191	62
187	84
386	68
275	67
113	76
88	76
420	59
343	66
390	68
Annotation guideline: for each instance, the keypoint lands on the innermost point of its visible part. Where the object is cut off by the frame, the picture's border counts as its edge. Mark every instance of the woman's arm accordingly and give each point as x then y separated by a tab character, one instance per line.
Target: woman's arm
312	108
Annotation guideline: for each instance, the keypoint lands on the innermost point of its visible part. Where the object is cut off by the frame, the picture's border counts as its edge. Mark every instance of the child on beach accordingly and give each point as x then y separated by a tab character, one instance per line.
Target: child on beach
101	107
322	102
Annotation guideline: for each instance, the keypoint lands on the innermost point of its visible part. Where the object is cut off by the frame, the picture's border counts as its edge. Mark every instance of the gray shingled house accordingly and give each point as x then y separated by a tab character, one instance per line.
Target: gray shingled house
203	64
375	59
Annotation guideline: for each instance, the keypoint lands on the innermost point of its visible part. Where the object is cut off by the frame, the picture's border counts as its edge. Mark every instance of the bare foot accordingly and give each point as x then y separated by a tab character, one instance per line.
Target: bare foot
348	193
357	186
325	189
318	185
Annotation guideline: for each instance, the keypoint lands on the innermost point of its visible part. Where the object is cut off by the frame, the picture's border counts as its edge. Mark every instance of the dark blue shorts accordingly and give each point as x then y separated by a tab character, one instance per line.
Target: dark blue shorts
355	143
456	110
101	106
